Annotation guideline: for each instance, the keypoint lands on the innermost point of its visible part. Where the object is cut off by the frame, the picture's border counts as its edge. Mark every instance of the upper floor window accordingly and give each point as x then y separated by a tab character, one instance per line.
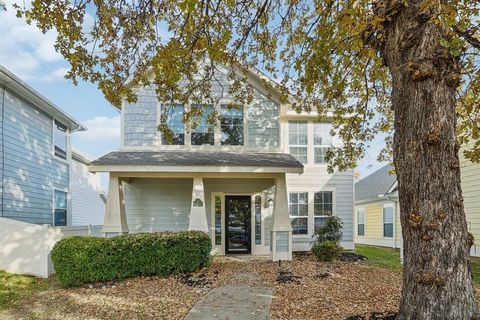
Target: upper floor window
388	220
60	140
322	207
322	141
173	117
60	208
298	211
232	126
204	133
361	221
298	139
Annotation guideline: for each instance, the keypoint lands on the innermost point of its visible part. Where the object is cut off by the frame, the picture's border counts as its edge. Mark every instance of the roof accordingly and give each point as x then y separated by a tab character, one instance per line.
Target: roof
183	161
375	184
16	84
80	157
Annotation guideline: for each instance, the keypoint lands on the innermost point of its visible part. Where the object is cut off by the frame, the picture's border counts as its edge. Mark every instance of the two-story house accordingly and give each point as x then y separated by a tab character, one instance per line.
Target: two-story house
42	180
256	181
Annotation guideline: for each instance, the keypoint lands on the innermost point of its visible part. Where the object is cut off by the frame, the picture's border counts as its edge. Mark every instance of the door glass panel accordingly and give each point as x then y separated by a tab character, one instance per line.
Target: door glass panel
237	211
218	220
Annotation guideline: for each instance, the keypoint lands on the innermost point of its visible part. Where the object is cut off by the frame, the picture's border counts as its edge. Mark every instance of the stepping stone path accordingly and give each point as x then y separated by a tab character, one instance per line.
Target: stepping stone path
234	302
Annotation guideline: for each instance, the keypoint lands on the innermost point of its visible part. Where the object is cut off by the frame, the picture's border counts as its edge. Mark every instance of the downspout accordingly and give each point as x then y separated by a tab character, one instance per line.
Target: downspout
3	149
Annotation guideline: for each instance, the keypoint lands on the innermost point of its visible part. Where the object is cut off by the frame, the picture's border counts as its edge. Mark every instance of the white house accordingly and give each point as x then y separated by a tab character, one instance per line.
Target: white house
256	181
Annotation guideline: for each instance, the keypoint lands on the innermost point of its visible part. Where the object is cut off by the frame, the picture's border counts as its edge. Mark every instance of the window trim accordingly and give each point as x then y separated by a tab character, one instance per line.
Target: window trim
358	211
289	122
186	137
307	217
219	124
392	223
67	141
334	213
54	206
192	130
315	147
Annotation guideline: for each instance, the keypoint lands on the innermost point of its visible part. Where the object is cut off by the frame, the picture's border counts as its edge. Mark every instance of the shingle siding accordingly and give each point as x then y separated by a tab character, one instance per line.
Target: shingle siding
31	172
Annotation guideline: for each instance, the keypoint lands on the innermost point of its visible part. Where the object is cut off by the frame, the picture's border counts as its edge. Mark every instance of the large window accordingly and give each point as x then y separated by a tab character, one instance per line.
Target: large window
322	207
60	140
258	220
232	126
297	140
298	210
60	208
204	133
173	115
322	141
361	222
388	220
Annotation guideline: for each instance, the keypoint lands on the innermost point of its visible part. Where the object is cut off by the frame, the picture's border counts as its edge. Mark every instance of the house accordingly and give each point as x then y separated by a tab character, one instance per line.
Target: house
256	181
378	211
42	180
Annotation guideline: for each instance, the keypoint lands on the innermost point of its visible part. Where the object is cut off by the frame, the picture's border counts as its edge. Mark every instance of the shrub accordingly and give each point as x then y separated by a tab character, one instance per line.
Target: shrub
326	250
79	260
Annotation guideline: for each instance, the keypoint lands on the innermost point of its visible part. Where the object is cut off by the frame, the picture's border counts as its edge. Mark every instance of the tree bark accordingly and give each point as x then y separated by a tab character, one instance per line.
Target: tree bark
437	280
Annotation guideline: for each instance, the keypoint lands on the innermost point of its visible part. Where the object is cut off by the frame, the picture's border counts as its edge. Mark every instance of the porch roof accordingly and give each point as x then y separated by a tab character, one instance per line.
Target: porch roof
195	161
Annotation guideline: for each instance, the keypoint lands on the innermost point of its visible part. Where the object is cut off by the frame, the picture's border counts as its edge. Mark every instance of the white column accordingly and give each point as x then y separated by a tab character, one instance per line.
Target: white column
115	215
282	229
198	213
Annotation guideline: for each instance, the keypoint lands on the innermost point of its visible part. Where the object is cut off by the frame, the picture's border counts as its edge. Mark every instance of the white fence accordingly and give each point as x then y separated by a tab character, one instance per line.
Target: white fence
25	247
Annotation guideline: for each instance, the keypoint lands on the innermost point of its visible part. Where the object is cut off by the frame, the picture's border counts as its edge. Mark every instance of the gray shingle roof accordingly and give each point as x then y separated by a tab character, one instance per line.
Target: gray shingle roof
374	184
197	158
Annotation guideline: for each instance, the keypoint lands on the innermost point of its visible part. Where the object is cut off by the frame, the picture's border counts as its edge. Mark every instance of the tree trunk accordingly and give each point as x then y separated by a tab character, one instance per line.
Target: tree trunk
437	281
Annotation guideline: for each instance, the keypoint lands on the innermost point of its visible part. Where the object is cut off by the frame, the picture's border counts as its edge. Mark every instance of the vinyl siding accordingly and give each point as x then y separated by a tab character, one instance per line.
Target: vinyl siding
471	198
158	204
140	119
87	205
31	172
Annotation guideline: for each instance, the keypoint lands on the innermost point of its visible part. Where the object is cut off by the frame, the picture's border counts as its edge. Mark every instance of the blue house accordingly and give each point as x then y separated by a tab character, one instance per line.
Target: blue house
37	165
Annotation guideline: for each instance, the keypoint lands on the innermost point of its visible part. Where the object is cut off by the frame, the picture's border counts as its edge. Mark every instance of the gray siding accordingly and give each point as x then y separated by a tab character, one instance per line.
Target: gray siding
158	204
31	172
282	241
140	119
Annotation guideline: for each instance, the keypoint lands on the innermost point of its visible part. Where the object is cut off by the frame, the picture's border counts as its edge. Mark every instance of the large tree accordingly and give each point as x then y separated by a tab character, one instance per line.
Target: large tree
405	66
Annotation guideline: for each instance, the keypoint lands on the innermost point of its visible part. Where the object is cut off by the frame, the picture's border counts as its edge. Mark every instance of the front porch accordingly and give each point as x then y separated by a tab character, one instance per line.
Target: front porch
243	209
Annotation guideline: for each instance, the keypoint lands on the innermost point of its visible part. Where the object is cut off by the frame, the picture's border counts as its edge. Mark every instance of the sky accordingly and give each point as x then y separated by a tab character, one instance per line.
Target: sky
31	55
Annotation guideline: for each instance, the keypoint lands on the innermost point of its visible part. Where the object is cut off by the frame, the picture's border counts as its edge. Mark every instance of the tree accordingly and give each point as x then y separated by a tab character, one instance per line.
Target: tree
408	66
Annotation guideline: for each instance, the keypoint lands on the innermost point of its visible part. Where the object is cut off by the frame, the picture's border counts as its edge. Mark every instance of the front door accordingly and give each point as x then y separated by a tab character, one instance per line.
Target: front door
237	224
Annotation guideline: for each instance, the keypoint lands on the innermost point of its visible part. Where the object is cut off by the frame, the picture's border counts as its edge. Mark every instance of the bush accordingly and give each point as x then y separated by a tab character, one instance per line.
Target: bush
326	250
79	260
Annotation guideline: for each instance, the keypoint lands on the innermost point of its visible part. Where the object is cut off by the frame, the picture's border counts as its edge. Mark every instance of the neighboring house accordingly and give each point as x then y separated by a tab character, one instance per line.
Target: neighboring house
40	183
256	181
378	211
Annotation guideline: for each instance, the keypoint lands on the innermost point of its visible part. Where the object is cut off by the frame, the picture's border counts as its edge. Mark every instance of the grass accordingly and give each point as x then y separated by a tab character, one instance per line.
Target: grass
390	258
14	287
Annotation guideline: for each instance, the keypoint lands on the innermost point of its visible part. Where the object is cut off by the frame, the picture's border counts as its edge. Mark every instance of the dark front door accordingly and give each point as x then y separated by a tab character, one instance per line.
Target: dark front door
237	224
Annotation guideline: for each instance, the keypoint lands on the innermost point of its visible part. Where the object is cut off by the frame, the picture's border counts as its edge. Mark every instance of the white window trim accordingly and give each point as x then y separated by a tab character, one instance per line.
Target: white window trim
306	146
68	215
333	206
364	224
308	234
67	140
220	247
388	204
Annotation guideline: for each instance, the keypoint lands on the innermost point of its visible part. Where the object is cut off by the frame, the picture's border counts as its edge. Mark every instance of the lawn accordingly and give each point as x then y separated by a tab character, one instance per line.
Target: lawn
14	287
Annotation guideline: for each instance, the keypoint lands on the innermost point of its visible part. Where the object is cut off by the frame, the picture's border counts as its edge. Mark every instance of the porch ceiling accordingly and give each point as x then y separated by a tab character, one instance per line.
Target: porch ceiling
195	161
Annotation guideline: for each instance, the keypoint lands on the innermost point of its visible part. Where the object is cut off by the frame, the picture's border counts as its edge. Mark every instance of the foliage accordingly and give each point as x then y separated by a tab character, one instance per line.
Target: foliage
328	56
79	260
326	250
14	287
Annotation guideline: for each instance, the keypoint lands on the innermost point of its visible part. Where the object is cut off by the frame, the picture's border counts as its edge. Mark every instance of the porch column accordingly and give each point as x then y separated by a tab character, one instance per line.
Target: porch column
198	214
115	216
281	237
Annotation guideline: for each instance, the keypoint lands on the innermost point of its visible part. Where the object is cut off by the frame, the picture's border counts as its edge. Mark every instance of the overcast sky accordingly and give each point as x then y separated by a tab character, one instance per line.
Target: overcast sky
28	53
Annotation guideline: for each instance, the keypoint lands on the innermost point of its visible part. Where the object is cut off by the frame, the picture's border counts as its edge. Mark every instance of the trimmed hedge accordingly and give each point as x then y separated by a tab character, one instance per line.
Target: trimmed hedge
79	260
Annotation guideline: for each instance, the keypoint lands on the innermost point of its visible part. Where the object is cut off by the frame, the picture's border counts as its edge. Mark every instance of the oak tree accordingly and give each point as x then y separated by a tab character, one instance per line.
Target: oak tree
405	66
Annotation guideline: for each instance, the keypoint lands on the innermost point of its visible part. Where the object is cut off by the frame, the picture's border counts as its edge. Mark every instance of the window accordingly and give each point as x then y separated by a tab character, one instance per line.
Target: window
388	220
60	209
258	220
322	141
297	140
232	126
322	207
204	133
60	140
173	115
361	221
298	211
218	220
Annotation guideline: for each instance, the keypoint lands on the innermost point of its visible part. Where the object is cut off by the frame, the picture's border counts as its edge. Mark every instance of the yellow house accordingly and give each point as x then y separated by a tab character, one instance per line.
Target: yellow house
377	212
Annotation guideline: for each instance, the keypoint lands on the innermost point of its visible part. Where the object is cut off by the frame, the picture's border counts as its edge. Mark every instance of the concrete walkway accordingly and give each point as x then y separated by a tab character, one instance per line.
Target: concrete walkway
233	302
